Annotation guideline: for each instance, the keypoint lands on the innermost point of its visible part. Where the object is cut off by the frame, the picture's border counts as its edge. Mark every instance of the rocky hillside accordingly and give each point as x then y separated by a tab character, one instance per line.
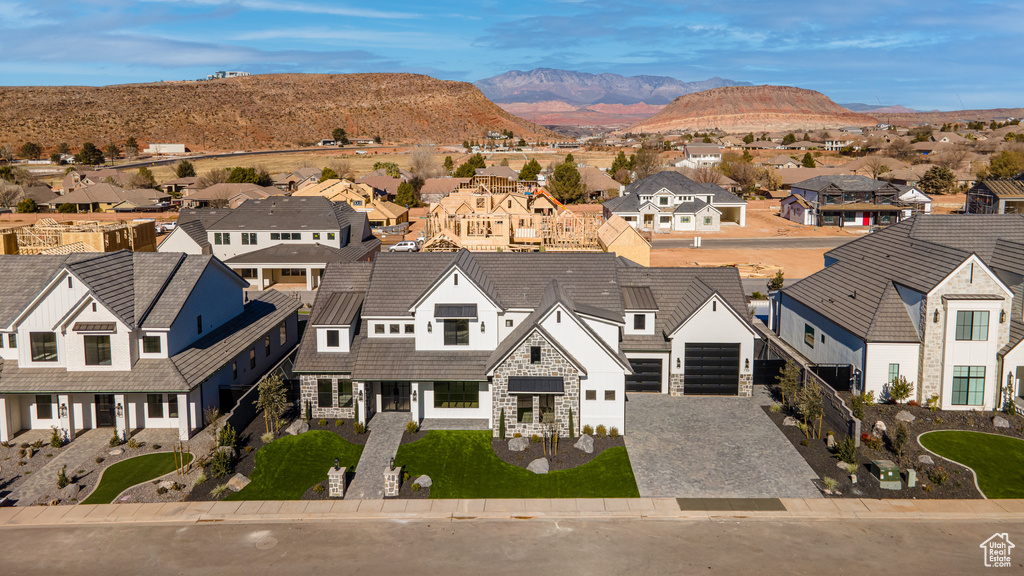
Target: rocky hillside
265	111
752	108
582	89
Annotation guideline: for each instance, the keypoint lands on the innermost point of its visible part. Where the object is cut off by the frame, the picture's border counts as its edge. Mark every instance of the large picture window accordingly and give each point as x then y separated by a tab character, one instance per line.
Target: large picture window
324	394
456	332
97	350
44	346
547	408
456	395
968	385
971	325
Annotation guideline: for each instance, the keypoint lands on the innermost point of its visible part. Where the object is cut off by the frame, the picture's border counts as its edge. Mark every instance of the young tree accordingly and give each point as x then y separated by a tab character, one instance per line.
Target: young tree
468	169
789	383
619	163
877	165
55	158
706	175
769	178
250	175
789	139
272	400
184	169
131	147
707	140
213	176
901	149
30	151
748	138
449	165
565	184
67	209
1006	164
143	179
390	168
89	155
9	193
112	152
812	404
808	161
338	134
647	162
406	195
328	174
423	161
530	170
938	180
776	282
900	389
377	139
27	206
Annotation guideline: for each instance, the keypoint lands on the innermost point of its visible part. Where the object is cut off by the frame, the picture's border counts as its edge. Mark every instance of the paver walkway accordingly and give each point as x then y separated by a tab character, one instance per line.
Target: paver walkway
82	449
386	429
712	447
455	424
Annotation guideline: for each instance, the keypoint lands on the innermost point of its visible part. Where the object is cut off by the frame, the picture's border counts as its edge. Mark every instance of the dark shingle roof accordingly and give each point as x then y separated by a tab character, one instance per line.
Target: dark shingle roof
337	309
845	182
679	185
638	298
290	254
111	277
164	311
398	359
195	231
1003	188
892	322
152	375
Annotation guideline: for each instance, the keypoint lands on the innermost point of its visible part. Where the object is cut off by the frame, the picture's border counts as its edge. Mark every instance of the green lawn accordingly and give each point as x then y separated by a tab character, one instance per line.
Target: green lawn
290	465
997	460
462	464
127	473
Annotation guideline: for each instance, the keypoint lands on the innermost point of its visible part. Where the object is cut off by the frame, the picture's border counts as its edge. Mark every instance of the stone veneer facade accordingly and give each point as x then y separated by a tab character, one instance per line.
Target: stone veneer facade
932	353
552	364
308	394
676	387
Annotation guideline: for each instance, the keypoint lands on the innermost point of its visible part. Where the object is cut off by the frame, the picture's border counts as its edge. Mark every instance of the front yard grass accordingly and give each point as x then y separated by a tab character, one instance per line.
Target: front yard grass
287	467
462	464
997	460
127	473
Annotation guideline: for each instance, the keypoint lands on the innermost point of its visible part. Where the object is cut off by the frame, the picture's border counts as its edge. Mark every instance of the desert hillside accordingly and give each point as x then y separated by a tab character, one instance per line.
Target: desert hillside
264	111
752	108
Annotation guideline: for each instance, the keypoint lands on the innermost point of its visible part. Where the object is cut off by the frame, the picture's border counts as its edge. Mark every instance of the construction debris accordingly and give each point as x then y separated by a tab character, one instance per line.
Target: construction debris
47	236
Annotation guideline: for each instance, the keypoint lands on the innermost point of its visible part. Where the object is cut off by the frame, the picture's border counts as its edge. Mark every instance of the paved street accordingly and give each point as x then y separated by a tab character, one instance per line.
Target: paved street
710	446
774	242
509	547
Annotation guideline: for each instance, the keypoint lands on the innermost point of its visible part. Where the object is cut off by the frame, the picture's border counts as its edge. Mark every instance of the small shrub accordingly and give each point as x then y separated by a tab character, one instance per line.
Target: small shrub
161	490
847	451
359	428
775	408
1010	407
227	436
852	468
22	463
937	421
200	479
56	440
601	431
899	440
267	438
860	402
415	487
21	453
319	489
938	476
829	482
405	477
133	443
517	435
913	403
588	430
870	441
804	442
614	432
24	445
411	427
37	444
309	411
535	439
248	449
900	389
210	415
339	423
219	490
220	464
322	422
99	459
156	446
933	403
177	487
62	478
115	440
49	455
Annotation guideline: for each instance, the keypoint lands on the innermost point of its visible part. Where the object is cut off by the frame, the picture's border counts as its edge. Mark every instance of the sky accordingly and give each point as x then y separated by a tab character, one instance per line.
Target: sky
927	54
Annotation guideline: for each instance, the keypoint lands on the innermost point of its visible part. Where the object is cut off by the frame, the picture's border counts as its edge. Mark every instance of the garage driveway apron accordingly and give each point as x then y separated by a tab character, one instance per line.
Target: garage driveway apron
712	447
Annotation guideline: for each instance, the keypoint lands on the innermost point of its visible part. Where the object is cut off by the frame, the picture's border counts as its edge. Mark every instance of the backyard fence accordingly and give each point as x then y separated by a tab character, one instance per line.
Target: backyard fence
245	409
837	417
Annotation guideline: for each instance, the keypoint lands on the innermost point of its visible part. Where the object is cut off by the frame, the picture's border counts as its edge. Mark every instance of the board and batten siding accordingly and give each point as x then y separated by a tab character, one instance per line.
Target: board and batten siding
839	347
713	324
879	356
447	292
217	297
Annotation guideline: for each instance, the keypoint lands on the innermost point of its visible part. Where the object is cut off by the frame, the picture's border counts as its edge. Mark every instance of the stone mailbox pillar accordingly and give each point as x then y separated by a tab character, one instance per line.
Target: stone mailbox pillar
336	482
392	480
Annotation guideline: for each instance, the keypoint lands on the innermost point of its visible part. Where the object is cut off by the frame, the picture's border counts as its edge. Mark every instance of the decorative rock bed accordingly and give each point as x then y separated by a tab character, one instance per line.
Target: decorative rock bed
571	452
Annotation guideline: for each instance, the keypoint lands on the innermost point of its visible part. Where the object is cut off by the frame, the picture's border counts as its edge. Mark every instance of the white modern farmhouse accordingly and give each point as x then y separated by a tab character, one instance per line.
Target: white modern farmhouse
670	202
130	340
935	299
277	240
534	337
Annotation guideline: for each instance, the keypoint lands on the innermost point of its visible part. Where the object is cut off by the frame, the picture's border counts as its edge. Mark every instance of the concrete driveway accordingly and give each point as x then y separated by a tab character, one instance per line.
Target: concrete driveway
712	447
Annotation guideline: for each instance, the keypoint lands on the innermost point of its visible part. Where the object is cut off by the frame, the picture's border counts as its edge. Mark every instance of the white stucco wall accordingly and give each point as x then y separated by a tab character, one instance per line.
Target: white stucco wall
217	297
179	241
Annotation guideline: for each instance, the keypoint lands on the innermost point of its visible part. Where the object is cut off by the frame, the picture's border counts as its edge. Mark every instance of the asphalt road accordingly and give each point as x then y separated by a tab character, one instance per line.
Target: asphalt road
770	242
520	547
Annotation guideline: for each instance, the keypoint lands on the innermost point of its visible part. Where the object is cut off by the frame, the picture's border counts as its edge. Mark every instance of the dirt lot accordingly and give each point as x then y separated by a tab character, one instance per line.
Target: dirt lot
794	262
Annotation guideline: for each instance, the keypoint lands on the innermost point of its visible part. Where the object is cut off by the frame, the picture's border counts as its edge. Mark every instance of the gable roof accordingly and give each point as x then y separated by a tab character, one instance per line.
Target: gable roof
842	182
464	261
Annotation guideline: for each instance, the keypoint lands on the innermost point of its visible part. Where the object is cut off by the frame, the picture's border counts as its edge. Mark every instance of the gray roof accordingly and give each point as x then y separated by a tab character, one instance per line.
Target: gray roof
679	185
195	231
337	309
844	182
638	298
176	290
398	359
290	254
211	352
859	291
1008	256
346	277
22	278
111	277
154	375
691	207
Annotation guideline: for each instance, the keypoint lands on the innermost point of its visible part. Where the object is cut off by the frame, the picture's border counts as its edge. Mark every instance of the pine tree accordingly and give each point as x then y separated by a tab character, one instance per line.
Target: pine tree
808	161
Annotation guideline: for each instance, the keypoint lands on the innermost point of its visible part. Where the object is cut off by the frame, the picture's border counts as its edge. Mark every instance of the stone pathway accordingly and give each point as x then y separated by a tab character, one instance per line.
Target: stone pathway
82	449
386	429
456	424
712	447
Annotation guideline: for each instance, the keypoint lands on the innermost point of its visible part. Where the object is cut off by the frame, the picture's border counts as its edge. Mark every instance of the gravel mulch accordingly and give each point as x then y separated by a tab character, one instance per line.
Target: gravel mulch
567	457
11	473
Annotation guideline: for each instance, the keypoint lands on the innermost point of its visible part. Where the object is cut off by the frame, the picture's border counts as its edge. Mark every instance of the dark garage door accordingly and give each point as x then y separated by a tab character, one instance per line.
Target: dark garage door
646	376
712	369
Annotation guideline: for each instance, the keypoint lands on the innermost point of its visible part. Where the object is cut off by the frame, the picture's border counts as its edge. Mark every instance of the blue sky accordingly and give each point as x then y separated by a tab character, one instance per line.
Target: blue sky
922	54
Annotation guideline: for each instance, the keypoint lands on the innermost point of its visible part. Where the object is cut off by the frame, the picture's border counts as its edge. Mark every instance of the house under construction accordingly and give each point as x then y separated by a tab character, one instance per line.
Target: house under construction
47	236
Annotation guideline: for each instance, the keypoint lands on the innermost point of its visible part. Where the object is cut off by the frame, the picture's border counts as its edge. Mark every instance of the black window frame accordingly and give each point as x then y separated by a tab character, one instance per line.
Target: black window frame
96	354
521	409
40	404
394	329
282	332
172	405
378	328
535	355
12	340
809	332
609	395
333	338
41	351
266	344
409	329
458	333
275	235
345	393
590	395
331	235
456	394
639	321
154	409
147	342
321	395
969	326
546	408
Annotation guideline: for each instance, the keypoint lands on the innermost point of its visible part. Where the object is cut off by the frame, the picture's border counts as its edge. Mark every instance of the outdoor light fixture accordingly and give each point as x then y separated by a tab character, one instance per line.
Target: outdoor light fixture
413	395
679	363
63	410
337	464
1002	316
935	318
360	395
481	326
392	463
430	328
120	410
746	363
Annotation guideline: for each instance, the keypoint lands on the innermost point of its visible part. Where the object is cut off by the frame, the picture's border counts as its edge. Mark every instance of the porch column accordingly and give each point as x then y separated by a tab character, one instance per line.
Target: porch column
362	398
259	278
743	216
121	416
66	412
184	430
6	425
309	278
414	402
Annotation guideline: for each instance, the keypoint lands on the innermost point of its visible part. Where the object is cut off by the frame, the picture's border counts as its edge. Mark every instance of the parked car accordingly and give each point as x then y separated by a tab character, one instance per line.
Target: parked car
405	246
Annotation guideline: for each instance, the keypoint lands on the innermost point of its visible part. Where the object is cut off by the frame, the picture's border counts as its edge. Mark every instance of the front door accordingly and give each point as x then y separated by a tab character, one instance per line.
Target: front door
105	410
395	396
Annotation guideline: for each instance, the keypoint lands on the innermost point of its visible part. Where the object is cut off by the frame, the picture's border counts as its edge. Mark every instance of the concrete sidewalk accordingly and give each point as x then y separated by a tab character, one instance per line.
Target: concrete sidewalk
595	509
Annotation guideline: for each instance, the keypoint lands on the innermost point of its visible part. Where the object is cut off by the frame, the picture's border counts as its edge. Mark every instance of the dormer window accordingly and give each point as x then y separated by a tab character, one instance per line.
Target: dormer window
333	338
639	322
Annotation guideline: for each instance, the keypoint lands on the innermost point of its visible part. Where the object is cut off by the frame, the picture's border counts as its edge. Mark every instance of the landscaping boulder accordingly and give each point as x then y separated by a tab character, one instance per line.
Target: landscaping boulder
585	443
424	481
29	452
116	452
904	416
231	451
300	426
519	444
237	482
538	466
879	429
925	459
830	442
70	492
1000	422
789	421
166	484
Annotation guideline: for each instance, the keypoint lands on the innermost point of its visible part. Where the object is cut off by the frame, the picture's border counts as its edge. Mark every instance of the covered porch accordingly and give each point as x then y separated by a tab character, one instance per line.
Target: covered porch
290	278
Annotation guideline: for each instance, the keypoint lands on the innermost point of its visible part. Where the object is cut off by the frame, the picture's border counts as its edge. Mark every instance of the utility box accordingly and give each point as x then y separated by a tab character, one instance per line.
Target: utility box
911	478
887	473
